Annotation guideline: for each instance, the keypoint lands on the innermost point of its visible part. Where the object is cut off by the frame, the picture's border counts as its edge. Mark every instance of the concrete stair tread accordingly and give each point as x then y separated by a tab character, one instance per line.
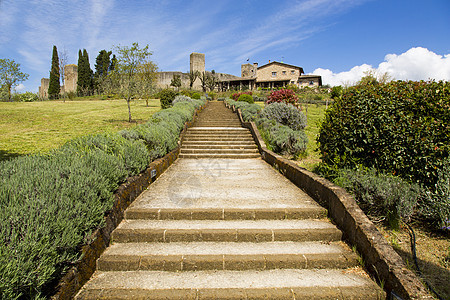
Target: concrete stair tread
226	224
217	151
234	156
206	128
189	256
210	213
226	248
215	284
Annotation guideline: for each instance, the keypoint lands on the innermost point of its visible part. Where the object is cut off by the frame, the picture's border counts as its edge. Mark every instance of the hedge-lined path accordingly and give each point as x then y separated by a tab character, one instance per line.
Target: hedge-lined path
227	229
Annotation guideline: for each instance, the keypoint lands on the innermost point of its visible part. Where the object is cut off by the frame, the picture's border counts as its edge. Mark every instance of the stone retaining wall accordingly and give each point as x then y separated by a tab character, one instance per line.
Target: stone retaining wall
79	274
382	262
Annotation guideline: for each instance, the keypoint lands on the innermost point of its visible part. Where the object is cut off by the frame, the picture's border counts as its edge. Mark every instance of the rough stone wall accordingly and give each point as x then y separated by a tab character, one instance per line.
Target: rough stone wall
308	81
197	63
43	89
282	72
248	70
71	78
165	78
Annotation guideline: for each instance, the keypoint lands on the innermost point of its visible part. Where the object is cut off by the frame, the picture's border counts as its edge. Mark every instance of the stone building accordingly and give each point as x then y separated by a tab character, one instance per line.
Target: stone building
272	75
70	81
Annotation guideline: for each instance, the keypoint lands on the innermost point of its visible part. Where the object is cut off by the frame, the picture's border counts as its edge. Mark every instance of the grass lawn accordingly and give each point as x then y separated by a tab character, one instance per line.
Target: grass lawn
30	127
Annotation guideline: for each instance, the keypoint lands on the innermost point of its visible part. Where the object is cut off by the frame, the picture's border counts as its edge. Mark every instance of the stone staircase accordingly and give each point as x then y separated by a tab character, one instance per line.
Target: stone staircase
218	133
227	229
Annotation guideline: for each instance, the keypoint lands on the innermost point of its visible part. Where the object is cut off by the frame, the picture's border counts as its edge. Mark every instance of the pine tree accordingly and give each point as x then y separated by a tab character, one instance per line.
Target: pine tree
54	88
85	84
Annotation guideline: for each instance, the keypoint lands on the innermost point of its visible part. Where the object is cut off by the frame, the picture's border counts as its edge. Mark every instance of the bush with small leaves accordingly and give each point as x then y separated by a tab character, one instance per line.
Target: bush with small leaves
166	97
196	96
246	98
285	114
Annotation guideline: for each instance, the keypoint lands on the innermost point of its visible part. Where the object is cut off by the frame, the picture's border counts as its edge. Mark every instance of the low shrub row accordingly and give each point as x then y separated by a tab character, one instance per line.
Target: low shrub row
51	203
281	125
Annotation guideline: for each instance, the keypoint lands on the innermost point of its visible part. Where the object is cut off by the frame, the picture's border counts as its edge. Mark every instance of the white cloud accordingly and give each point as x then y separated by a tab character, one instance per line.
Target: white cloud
20	87
415	64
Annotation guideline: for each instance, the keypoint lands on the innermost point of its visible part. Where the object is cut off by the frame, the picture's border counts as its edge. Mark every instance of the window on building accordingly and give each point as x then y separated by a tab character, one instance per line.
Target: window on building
292	72
311	82
274	74
284	72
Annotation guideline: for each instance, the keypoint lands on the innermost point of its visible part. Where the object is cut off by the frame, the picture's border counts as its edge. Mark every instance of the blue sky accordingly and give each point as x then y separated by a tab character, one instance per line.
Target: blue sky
338	39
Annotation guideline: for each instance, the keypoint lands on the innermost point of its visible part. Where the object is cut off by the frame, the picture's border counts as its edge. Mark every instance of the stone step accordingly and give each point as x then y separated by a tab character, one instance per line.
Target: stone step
145	231
217	138
198	213
219	156
219	143
206	145
219	284
207	136
229	129
185	150
225	256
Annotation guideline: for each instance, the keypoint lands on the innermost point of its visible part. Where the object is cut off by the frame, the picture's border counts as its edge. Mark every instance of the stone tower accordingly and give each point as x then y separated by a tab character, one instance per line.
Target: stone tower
197	63
71	78
249	70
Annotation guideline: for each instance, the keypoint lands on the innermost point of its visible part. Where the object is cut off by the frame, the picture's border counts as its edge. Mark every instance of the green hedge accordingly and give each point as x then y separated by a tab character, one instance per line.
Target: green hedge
51	203
401	128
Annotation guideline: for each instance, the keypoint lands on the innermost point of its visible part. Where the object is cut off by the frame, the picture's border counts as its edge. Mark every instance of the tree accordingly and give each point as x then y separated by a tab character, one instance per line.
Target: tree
204	80
176	81
54	87
10	75
62	68
127	71
85	83
192	76
146	80
211	81
102	68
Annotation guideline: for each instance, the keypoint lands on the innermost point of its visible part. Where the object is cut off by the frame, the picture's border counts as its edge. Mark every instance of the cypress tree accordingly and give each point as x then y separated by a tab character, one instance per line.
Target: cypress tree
80	74
85	84
54	88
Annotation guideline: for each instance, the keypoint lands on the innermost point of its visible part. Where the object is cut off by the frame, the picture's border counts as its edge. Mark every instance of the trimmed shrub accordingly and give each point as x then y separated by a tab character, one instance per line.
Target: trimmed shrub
281	138
285	114
181	98
236	96
196	96
246	98
381	196
285	95
166	97
400	128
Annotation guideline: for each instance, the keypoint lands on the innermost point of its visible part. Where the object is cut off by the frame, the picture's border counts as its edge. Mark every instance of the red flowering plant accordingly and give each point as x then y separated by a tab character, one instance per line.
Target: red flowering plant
287	96
235	96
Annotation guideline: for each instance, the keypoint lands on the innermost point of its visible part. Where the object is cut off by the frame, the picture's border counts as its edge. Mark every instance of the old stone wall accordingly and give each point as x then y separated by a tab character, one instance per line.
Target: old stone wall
165	78
43	89
278	72
71	78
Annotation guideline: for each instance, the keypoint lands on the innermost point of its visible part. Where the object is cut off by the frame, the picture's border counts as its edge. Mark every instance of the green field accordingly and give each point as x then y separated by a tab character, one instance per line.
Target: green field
31	127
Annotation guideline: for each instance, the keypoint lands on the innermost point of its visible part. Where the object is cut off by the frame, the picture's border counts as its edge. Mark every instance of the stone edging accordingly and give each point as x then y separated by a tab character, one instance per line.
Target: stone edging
99	240
381	260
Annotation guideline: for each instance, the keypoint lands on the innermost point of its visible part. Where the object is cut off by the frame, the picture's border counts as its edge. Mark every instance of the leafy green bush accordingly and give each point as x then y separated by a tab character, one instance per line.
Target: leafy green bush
166	97
246	98
381	196
196	96
181	98
27	97
51	203
400	128
236	96
285	114
435	204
